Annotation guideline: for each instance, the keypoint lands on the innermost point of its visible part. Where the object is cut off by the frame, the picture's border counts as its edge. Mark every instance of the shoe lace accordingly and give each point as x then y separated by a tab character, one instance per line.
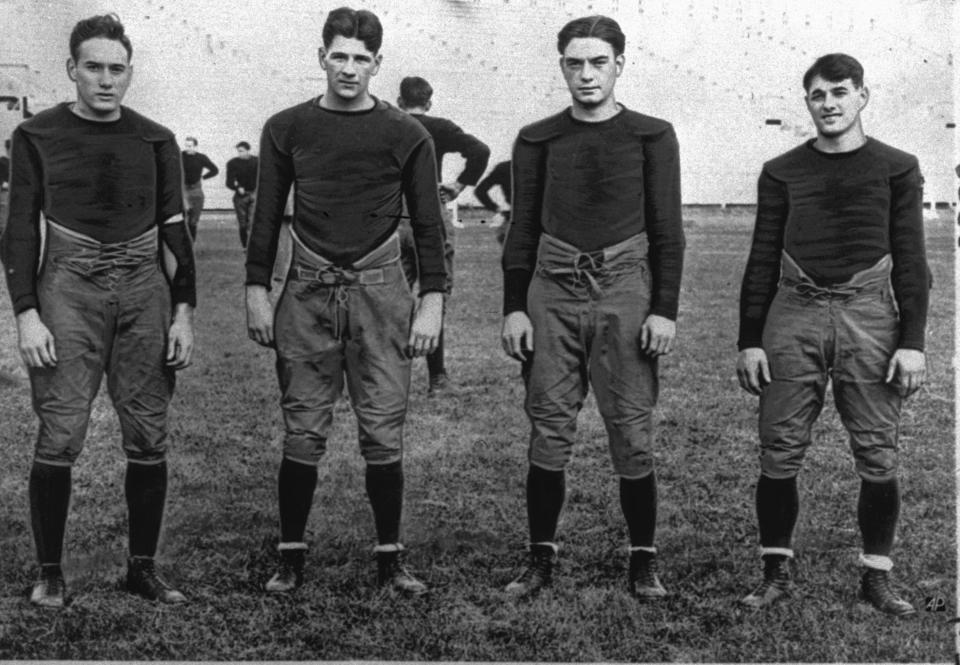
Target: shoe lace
878	585
537	567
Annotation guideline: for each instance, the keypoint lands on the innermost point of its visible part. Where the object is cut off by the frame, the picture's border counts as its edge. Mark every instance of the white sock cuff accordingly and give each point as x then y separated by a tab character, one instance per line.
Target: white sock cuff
389	547
641	548
285	547
782	551
876	561
553	546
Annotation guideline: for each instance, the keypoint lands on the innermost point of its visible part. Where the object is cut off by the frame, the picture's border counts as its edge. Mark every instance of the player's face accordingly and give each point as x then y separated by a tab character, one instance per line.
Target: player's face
190	145
102	72
835	105
591	70
349	67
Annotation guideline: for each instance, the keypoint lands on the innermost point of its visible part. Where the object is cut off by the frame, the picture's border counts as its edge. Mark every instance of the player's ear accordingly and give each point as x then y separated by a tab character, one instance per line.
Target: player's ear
72	69
620	61
864	97
377	60
321	54
426	107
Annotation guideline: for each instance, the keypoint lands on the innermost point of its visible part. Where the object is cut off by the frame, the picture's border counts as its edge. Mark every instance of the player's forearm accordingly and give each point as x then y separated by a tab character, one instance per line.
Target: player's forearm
179	263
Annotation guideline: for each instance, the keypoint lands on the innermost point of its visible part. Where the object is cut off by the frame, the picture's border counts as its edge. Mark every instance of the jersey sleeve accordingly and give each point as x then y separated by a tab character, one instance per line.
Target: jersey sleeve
274	180
762	273
520	248
20	242
423	204
664	220
169	180
910	275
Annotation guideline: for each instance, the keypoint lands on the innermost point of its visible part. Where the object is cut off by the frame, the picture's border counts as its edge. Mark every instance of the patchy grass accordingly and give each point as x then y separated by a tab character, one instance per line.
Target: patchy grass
464	513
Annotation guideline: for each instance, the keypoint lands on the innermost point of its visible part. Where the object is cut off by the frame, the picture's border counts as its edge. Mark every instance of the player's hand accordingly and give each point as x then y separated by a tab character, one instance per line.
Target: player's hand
753	370
259	315
497	220
427	323
37	347
516	336
909	367
449	191
656	335
241	191
180	339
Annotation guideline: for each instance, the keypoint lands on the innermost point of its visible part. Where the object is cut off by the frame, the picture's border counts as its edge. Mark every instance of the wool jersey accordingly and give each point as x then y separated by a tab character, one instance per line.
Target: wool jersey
242	172
593	185
351	172
193	166
448	138
110	181
836	214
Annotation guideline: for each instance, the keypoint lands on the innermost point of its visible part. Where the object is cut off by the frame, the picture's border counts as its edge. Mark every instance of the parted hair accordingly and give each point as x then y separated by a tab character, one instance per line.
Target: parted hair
107	26
354	24
835	67
601	27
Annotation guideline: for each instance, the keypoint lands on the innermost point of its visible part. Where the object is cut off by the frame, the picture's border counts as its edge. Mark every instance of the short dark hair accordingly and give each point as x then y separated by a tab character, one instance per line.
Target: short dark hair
107	26
835	67
354	24
191	138
601	27
244	145
415	91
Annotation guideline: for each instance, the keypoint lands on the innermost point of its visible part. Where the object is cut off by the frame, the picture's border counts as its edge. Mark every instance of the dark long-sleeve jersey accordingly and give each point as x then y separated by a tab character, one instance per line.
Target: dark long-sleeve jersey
498	177
351	173
194	165
449	138
836	214
110	181
242	172
592	185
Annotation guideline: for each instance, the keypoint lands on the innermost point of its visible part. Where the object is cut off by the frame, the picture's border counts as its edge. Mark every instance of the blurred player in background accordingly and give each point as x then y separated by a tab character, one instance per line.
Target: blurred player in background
498	177
415	98
197	167
242	179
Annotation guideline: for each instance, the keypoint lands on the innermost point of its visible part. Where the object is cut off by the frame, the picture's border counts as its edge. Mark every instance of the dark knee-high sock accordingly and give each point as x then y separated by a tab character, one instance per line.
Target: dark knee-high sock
296	483
49	489
385	490
778	504
146	490
545	494
878	510
638	499
435	365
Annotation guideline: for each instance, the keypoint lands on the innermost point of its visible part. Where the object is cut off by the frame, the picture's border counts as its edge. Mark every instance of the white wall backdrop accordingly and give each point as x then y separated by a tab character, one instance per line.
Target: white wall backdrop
717	69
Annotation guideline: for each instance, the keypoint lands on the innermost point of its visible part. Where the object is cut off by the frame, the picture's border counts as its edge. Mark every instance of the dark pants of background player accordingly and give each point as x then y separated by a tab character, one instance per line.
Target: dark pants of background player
193	195
243	205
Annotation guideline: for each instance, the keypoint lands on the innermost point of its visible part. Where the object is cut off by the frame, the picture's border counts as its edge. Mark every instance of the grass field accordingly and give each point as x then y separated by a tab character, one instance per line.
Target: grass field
464	518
